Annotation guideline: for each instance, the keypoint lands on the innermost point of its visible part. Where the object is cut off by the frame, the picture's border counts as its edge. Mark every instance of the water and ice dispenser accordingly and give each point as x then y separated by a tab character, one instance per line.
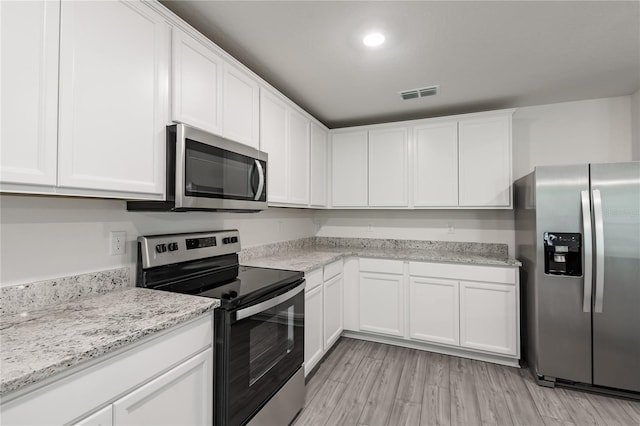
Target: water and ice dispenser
563	253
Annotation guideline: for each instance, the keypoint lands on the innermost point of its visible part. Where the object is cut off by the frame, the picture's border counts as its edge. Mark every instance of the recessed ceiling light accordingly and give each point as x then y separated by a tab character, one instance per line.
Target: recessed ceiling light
373	39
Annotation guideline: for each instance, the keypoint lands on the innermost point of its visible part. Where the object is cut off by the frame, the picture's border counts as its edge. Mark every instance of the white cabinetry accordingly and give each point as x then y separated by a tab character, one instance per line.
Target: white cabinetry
433	310
485	161
197	83
165	379
382	296
113	106
241	107
333	303
313	320
318	166
388	167
180	396
349	170
28	146
435	177
284	135
488	317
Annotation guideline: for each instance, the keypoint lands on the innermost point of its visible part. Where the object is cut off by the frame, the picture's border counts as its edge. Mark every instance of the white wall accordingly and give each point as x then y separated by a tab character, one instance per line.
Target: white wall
635	125
593	131
51	237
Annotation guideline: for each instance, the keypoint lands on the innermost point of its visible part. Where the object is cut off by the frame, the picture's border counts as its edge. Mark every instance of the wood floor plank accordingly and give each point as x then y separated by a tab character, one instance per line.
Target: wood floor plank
459	365
465	409
355	396
438	370
344	369
547	400
611	410
326	367
405	413
319	410
376	350
550	421
522	408
436	406
633	410
491	400
580	410
412	379
377	409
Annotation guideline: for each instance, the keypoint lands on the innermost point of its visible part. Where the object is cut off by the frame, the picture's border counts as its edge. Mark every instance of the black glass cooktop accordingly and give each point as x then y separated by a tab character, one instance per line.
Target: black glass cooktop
252	284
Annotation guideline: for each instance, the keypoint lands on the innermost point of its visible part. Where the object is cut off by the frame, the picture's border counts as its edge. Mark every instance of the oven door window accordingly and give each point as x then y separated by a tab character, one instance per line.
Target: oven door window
216	173
266	349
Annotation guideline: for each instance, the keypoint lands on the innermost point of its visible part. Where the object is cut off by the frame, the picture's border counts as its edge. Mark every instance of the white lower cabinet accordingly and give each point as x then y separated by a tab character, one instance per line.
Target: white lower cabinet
382	296
333	296
488	317
181	396
164	380
433	310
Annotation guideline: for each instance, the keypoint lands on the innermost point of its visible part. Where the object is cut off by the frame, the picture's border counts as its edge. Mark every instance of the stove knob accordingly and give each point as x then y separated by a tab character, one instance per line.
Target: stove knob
173	246
225	296
233	293
161	248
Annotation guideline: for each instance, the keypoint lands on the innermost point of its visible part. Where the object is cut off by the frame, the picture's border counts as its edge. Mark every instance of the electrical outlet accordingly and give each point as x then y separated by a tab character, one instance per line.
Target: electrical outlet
451	229
118	243
370	227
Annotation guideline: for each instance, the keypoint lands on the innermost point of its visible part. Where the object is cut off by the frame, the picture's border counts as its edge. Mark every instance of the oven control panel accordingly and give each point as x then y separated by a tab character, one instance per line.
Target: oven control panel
158	250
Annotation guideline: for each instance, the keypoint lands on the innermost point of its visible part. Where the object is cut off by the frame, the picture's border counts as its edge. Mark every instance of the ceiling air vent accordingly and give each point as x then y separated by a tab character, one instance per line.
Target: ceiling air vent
419	93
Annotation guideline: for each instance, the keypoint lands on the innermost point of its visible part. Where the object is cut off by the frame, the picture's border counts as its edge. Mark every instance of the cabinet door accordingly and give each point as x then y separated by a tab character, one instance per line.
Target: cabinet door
298	158
333	304
318	166
114	78
184	396
197	83
488	317
273	138
382	303
28	151
313	328
435	170
433	310
103	417
388	168
241	107
349	169
485	162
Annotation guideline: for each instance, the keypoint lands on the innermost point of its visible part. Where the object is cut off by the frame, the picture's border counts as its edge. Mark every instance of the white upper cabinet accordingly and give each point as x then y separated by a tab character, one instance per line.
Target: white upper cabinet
297	158
318	166
435	176
29	52
197	83
388	167
241	107
349	171
485	161
273	140
113	107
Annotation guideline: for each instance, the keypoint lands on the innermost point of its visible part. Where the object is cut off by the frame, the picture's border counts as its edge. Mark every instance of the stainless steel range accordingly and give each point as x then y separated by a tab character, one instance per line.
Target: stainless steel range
259	326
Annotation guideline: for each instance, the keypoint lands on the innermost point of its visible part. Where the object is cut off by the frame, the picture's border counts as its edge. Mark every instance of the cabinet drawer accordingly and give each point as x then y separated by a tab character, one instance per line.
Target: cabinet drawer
313	279
384	266
505	275
332	269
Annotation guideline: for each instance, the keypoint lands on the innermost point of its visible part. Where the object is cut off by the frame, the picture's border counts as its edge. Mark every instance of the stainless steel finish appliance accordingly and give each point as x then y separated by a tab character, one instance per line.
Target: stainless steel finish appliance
207	172
259	326
578	237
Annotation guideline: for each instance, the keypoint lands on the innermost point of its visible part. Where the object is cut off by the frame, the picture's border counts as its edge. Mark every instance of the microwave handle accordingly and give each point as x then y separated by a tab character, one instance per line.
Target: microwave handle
268	304
260	181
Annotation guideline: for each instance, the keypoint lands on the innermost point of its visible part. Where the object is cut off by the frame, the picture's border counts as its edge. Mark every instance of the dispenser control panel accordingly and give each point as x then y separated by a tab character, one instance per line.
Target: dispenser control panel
563	253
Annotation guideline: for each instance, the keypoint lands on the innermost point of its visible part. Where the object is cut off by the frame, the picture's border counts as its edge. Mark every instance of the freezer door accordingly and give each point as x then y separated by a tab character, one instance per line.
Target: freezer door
562	330
616	316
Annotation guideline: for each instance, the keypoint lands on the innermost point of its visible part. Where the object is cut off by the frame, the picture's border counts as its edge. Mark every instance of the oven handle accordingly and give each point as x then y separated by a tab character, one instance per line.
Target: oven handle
267	304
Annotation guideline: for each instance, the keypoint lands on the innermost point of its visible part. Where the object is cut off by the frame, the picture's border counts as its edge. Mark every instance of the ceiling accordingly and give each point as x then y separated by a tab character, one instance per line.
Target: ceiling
484	55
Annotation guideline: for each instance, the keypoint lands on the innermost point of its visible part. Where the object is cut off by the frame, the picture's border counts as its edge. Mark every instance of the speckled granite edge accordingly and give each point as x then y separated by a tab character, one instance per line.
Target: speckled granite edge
37	295
41	343
498	249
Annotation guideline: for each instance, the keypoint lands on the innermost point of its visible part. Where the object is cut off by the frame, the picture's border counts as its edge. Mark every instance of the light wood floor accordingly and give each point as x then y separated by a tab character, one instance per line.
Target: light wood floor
365	383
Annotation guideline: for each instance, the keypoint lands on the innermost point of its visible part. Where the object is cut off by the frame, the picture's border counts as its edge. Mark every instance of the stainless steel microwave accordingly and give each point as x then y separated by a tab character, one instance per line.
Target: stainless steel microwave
208	172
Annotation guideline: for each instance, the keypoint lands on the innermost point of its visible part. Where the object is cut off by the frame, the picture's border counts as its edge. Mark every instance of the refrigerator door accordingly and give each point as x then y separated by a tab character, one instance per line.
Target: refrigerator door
616	316
562	329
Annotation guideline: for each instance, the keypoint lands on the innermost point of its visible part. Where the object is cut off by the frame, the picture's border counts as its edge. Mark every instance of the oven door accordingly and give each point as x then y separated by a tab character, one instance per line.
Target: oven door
215	173
265	348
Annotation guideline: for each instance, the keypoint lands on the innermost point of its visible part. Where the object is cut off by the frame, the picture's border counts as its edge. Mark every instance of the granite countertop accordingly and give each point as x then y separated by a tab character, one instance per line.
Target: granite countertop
308	259
37	344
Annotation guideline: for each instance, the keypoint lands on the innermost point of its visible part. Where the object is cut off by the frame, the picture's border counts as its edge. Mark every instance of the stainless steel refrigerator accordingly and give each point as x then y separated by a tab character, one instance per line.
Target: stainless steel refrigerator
578	237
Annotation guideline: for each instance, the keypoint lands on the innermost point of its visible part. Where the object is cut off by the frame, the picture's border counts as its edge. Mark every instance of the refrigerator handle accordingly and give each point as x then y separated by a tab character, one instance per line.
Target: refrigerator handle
587	248
599	238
